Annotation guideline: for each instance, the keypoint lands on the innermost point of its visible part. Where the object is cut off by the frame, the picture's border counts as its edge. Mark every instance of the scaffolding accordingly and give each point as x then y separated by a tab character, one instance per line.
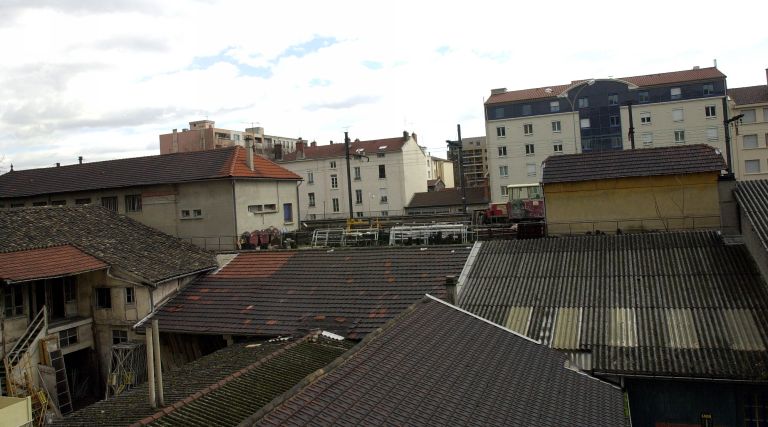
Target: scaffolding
127	367
428	234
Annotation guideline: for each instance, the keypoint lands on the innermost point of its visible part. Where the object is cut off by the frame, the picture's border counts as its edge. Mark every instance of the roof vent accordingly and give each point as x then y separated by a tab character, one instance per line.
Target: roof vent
696	67
498	91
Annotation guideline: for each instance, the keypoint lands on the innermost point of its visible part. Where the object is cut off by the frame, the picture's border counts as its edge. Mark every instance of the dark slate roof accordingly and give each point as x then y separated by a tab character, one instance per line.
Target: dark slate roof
749	95
666	304
114	239
437	365
387	145
752	197
675	160
139	171
347	291
448	197
241	377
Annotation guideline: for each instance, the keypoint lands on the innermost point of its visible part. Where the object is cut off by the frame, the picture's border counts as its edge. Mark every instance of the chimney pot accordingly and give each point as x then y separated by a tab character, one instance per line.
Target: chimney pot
331	142
313	144
80	159
300	149
450	289
405	134
58	164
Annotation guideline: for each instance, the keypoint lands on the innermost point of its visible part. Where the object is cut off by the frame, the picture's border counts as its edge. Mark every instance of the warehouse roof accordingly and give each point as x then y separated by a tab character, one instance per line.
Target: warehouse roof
752	197
666	304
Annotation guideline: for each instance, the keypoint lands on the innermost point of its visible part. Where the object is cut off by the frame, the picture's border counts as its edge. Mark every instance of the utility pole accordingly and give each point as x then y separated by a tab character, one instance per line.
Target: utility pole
349	176
631	125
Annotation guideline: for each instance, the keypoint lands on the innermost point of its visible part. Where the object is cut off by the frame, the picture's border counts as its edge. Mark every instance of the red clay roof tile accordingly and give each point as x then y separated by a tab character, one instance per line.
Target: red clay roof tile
44	263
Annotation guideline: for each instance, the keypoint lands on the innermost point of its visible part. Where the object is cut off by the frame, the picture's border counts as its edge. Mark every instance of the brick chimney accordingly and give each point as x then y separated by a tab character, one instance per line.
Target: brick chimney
80	160
300	149
278	151
405	134
313	144
249	153
450	289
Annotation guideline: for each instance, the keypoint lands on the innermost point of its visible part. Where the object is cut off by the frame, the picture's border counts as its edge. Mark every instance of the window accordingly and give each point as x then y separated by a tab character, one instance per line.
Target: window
498	112
613	99
554	106
529	149
749	116
287	212
527	110
311	199
39	203
501	131
556	126
712	134
197	213
531	169
333	164
679	136
382	171
119	336
675	93
335	203
643	96
584	123
58	203
310	177
750	141
708	88
710	111
14	300
677	115
503	171
383	195
614	121
379	155
357	173
185	214
557	147
70	289
133	203
359	214
334	181
647	138
528	128
270	207
752	166
645	118
583	102
504	190
83	201
130	295
359	197
256	209
67	337
384	213
502	151
103	298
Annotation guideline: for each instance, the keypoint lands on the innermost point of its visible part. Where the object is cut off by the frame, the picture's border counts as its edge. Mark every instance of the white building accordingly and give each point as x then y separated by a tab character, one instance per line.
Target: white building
385	173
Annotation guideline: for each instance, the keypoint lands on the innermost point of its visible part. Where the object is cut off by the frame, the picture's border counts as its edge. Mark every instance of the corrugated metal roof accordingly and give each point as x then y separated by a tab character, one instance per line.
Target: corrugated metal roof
567	329
752	197
518	319
680	304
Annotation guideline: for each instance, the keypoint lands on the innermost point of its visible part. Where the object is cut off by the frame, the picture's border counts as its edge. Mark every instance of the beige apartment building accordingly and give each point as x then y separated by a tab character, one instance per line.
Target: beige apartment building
475	156
750	133
207	197
385	174
524	127
441	169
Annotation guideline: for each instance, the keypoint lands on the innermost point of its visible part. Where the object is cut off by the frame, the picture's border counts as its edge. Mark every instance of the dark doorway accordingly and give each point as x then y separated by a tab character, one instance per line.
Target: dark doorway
83	377
36	297
57	307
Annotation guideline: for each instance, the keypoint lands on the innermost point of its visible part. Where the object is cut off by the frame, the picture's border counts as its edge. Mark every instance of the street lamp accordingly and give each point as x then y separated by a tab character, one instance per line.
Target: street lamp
589	82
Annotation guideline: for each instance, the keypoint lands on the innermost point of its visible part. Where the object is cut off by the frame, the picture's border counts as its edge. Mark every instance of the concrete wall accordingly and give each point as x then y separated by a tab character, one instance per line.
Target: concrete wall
413	178
755	246
633	204
279	193
16	411
758	128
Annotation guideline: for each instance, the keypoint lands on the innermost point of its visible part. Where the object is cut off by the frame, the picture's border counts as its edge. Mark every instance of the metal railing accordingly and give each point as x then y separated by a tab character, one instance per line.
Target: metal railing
38	324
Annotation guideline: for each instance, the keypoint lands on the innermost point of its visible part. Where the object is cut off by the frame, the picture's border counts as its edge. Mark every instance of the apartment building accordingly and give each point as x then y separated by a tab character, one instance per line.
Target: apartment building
385	174
204	135
524	127
441	169
475	156
750	133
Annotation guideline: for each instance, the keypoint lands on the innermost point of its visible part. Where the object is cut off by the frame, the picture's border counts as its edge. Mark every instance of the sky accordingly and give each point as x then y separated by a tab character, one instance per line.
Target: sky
103	78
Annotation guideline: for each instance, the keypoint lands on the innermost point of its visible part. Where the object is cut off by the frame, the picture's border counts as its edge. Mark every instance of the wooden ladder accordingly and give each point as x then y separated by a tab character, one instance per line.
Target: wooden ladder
62	383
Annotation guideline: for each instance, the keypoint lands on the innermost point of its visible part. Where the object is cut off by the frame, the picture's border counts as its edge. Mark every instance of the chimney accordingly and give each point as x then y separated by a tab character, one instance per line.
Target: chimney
405	134
58	164
278	152
413	135
249	153
313	144
300	149
450	289
498	91
80	160
331	142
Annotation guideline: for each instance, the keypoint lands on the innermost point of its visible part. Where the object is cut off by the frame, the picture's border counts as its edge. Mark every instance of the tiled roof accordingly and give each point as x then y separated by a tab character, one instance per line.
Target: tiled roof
675	160
666	304
693	75
749	95
347	291
241	378
138	171
752	197
45	263
369	148
448	197
114	239
437	365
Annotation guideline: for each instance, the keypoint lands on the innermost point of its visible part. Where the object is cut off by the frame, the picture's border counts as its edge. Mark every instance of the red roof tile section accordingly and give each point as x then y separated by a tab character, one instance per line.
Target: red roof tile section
44	263
138	171
347	291
642	81
388	145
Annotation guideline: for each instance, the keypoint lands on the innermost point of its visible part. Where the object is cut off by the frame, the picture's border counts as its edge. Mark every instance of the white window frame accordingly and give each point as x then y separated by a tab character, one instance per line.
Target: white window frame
335	204
312	201
310	177
554	106
501	131
675	93
502	149
504	190
751	137
679	136
645	118
333	164
530	149
357	175
334	181
710	111
556	126
528	129
557	147
503	171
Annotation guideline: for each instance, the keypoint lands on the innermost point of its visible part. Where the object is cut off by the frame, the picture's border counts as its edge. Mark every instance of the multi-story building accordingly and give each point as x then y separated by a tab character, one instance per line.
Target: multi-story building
385	174
204	135
475	162
441	169
526	126
750	133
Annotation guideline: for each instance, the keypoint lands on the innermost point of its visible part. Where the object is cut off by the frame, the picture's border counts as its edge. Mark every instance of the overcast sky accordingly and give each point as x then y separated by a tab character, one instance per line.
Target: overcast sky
103	78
